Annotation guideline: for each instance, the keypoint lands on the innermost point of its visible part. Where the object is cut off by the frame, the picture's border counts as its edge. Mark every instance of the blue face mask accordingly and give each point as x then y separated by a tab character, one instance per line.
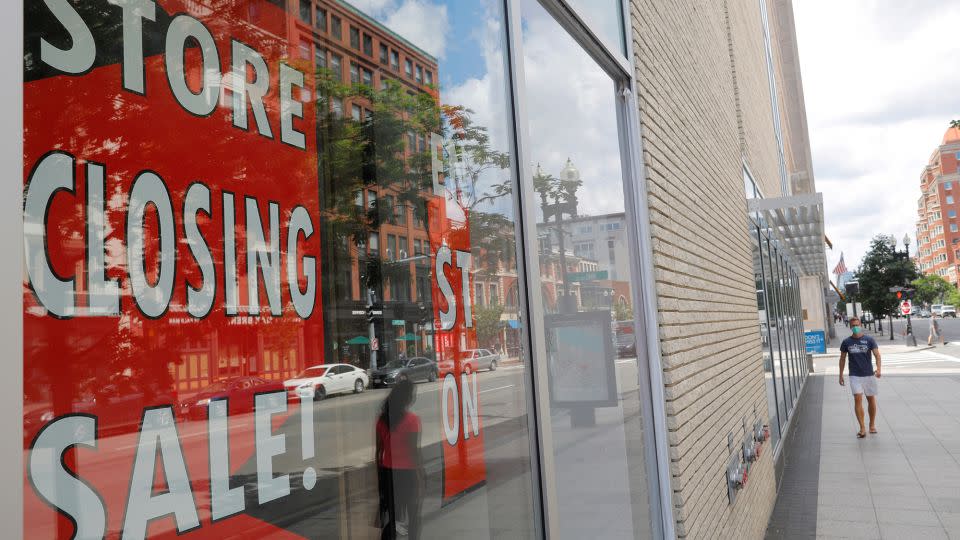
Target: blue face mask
856	329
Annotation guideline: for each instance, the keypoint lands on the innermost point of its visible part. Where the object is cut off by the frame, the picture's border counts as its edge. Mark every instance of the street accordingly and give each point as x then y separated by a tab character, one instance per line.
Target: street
921	329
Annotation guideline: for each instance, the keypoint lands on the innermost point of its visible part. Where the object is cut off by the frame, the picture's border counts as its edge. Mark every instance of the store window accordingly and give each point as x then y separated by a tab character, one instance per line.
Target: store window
597	453
214	338
763	306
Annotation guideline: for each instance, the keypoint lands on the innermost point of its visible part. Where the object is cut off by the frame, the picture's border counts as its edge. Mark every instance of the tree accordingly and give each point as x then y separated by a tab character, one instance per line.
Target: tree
882	268
622	312
487	320
955	124
931	289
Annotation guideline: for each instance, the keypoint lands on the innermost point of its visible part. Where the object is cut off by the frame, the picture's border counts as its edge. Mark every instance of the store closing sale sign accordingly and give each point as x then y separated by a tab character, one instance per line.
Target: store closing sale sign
170	191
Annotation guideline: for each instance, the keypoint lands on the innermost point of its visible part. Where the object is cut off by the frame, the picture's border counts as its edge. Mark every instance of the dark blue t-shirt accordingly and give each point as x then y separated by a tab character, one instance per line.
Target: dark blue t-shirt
858	354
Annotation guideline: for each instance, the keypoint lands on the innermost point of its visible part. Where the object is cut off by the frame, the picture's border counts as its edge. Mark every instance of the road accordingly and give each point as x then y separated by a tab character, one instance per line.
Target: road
921	329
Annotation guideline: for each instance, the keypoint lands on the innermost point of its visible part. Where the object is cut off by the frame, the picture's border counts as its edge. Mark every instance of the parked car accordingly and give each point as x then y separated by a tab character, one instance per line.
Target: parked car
626	340
117	403
924	313
325	380
415	369
477	359
935	309
239	392
948	311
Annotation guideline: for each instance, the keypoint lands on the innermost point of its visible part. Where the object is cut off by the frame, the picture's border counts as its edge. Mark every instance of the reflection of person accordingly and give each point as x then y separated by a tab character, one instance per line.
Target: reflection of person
935	332
863	378
399	467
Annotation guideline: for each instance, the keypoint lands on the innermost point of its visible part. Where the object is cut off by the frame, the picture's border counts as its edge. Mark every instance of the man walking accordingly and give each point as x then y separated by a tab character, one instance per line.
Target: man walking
863	378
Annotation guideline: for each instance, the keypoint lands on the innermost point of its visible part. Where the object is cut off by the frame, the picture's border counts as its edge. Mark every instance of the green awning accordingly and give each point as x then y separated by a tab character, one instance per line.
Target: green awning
359	340
408	337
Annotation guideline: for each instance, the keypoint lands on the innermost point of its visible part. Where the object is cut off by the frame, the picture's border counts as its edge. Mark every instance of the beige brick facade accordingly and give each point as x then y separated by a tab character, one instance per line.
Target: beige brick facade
704	96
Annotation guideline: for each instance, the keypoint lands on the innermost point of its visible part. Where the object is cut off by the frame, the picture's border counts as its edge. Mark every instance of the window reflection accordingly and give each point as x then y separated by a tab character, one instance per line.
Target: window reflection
404	177
587	286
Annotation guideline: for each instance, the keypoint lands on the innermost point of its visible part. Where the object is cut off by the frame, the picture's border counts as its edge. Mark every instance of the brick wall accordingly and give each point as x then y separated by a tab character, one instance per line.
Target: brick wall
692	63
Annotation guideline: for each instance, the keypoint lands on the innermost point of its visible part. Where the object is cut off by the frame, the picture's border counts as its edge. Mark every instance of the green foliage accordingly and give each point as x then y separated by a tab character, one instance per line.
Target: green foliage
487	321
882	268
931	289
955	124
952	297
622	312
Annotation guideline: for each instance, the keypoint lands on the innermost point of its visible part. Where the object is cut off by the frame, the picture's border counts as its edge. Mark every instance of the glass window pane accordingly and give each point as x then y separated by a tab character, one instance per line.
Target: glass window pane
588	324
605	18
763	305
776	341
241	248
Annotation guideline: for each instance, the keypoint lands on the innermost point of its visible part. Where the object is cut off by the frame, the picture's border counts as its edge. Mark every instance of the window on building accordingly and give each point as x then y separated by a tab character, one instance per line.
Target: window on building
320	57
304	50
951	214
429	77
374	243
321	19
953	228
402	247
368	44
354	37
336	27
336	66
391	247
384	83
408	68
948	186
494	294
336	107
305	8
356	113
371	200
400	213
949	199
395	60
367	77
384	54
417	248
354	73
478	295
419	76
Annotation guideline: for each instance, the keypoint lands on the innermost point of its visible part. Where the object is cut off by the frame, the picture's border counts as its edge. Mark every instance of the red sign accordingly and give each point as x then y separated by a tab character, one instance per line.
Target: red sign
905	307
172	238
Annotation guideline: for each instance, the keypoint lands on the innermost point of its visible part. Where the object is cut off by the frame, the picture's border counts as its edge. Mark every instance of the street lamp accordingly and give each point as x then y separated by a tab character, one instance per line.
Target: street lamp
906	244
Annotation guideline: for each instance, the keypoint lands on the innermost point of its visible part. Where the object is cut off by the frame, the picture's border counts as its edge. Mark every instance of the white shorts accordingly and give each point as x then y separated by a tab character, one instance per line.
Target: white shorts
864	385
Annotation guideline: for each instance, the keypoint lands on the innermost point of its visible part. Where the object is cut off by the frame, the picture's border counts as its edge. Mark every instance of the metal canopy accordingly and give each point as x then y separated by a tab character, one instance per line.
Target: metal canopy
797	222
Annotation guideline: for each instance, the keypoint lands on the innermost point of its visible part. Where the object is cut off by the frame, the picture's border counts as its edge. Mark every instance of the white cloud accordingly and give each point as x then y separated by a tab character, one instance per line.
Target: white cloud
880	82
422	23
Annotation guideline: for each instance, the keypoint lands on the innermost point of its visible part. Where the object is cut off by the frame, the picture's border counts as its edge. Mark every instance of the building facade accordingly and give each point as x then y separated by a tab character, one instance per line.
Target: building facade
938	238
234	209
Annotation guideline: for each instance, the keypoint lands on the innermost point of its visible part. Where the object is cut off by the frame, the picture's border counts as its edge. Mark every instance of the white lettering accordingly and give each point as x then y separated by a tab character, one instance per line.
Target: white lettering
303	302
182	29
104	293
269	488
134	11
289	107
148	189
81	55
224	500
267	258
199	301
449	398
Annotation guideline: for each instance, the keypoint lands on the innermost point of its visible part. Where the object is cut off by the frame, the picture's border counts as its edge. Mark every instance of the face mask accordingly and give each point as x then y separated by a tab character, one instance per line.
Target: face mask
856	329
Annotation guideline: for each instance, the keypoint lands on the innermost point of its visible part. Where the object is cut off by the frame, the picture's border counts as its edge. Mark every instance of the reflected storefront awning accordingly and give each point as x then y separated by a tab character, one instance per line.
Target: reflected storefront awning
797	221
359	340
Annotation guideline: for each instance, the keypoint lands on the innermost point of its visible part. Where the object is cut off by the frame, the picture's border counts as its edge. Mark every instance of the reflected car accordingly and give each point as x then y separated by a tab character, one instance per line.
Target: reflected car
318	382
477	359
415	369
118	406
239	391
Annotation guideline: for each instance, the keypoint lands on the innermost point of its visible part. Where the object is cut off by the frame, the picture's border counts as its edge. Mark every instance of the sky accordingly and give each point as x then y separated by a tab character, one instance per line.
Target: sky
881	80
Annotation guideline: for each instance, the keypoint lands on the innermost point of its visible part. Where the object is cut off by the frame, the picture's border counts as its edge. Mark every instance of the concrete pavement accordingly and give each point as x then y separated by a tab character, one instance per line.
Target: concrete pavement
901	483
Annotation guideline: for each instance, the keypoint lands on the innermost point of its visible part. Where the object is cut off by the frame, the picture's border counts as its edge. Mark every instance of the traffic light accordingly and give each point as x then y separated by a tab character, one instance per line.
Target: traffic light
899	295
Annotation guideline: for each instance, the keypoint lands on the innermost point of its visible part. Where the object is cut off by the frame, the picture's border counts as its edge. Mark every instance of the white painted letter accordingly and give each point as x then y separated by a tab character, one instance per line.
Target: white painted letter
224	501
78	58
449	398
303	302
159	431
134	11
269	445
257	89
199	301
148	189
290	108
104	293
266	257
182	29
448	318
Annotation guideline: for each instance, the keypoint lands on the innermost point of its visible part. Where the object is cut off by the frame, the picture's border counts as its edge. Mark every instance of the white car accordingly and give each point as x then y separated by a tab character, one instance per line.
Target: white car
318	382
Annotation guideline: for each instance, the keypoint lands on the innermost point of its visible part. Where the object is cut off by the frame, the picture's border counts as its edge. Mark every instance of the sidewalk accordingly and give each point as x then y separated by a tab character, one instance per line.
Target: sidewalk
901	483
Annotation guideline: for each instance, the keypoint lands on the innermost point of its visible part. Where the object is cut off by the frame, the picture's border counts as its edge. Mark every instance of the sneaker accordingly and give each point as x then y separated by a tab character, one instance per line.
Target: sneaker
401	529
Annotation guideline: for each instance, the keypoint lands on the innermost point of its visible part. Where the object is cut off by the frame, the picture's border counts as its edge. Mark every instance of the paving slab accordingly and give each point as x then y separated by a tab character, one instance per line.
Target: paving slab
901	483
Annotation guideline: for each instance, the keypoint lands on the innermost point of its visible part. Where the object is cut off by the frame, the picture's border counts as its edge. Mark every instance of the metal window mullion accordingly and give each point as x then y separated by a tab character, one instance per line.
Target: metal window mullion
528	274
609	58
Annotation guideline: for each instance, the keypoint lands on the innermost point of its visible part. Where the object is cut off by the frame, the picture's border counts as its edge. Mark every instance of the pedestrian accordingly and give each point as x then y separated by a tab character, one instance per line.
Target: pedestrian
935	332
399	464
863	377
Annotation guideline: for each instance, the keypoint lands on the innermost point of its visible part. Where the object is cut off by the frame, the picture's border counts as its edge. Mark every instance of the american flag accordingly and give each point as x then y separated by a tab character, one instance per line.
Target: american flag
840	268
